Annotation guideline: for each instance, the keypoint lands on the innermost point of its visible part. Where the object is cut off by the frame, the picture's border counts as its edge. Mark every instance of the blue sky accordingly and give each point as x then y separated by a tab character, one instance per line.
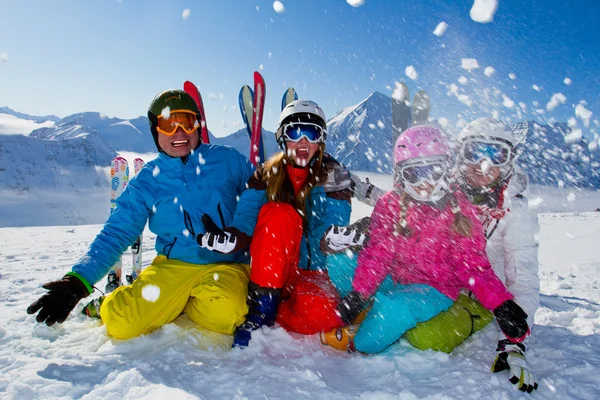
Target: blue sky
114	56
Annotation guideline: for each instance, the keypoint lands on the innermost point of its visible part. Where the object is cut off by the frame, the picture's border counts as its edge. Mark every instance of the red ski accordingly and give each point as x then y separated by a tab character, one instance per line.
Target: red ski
193	91
259	107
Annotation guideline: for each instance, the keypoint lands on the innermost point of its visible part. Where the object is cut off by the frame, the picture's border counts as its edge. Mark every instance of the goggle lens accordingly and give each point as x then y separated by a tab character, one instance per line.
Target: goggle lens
184	120
294	132
416	174
496	153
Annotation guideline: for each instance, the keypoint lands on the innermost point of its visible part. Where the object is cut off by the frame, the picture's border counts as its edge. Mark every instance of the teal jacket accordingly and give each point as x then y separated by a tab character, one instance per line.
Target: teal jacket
329	204
172	195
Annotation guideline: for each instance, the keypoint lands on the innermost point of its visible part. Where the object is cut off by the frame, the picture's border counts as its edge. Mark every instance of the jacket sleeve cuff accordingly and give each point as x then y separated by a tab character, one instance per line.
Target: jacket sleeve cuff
89	287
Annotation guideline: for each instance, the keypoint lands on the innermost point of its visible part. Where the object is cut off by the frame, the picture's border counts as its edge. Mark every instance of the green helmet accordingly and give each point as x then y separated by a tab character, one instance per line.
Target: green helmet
175	100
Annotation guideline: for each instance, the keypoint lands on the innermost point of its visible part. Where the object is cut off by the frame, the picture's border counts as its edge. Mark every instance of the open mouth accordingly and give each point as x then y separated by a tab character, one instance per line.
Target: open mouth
301	153
179	143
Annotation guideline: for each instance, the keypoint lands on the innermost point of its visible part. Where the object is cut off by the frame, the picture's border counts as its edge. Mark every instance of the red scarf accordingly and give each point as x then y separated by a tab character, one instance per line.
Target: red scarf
298	177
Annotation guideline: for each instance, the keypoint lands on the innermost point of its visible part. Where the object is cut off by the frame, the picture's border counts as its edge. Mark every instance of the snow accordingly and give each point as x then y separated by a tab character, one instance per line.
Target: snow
555	101
11	125
489	71
4	57
185	14
78	360
507	101
440	29
536	88
411	72
512	76
584	114
278	7
483	11
567	81
469	64
463	80
355	3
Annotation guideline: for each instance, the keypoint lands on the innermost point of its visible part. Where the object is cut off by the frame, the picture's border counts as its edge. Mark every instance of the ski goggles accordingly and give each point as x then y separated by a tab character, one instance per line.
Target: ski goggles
185	120
295	131
497	153
431	172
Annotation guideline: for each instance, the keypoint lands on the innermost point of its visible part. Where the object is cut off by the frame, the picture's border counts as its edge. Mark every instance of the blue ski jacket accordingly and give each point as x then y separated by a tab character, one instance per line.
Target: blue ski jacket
172	195
329	204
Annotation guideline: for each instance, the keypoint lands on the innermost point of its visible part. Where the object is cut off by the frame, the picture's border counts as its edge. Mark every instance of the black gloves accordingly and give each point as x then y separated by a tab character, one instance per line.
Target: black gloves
351	306
224	241
511	357
60	300
512	320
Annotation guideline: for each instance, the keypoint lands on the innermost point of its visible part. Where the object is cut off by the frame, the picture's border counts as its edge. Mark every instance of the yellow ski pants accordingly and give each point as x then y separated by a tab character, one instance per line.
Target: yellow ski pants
213	296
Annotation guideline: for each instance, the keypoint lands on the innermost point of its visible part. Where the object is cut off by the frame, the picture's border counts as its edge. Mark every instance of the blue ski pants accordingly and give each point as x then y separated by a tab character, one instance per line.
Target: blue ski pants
396	309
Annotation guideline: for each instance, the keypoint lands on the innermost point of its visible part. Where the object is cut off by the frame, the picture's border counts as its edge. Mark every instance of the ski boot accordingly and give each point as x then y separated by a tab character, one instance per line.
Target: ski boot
262	310
113	282
340	338
92	309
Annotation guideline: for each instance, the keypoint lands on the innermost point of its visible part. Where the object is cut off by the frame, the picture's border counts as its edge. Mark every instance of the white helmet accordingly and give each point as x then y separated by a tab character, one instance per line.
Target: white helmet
489	128
301	111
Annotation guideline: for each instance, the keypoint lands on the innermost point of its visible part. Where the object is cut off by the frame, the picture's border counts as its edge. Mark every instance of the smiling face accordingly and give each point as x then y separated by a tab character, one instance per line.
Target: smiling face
301	152
180	144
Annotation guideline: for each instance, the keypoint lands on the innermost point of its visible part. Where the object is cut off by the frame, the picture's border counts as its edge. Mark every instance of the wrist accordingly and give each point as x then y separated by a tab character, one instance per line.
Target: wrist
84	289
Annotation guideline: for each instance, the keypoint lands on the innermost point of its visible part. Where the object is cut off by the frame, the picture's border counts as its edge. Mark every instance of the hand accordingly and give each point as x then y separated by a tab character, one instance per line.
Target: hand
351	306
339	238
220	240
512	320
511	356
57	304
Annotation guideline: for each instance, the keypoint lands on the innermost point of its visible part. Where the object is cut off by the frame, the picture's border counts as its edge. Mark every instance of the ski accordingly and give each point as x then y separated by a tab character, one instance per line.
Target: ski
400	110
246	102
420	109
193	91
257	151
288	96
119	174
136	247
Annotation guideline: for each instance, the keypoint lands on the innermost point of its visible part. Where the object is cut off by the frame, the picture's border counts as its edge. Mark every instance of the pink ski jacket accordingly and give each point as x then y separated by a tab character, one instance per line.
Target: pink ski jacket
434	254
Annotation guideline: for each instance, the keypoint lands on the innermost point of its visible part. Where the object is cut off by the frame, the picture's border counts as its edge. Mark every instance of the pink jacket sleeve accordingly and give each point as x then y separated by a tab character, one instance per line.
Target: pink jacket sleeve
473	266
375	260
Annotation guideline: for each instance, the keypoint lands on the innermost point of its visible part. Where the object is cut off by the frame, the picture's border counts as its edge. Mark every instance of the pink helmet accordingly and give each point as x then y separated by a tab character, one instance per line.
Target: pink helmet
419	142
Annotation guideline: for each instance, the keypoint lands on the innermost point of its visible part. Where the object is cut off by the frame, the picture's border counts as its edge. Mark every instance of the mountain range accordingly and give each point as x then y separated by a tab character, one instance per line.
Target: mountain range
60	169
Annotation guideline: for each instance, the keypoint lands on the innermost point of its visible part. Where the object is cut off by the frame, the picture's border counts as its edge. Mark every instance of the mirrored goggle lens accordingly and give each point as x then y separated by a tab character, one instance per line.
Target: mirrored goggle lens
295	132
419	173
496	153
184	120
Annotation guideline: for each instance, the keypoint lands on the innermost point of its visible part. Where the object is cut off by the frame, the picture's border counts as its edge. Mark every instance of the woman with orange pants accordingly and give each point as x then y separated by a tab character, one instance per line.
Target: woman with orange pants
293	200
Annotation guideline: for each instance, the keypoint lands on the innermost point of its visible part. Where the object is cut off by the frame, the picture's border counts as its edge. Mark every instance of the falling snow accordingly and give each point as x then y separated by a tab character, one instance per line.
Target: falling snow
411	72
440	29
355	3
186	14
151	293
483	10
489	71
469	64
278	7
555	101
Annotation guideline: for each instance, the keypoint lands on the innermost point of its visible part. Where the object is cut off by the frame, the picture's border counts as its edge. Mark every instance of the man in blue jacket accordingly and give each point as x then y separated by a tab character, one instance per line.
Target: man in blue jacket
187	183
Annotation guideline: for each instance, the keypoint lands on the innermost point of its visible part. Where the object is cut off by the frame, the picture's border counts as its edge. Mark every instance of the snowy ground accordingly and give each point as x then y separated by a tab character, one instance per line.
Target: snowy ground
78	360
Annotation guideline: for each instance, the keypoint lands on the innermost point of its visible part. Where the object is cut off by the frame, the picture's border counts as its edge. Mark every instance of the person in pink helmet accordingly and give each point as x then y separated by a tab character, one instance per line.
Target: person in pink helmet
426	244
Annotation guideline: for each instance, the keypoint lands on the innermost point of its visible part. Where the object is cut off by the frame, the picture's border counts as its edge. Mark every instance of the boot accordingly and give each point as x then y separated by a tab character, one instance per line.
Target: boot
92	309
340	338
112	282
262	310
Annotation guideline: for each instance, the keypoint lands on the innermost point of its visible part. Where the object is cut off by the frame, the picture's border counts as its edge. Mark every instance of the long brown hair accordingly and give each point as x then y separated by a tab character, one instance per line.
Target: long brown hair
279	186
461	224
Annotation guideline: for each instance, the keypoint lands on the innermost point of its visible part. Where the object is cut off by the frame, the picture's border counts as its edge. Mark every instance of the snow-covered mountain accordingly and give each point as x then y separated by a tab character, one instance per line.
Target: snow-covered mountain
54	182
13	122
120	134
553	156
35	118
360	136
